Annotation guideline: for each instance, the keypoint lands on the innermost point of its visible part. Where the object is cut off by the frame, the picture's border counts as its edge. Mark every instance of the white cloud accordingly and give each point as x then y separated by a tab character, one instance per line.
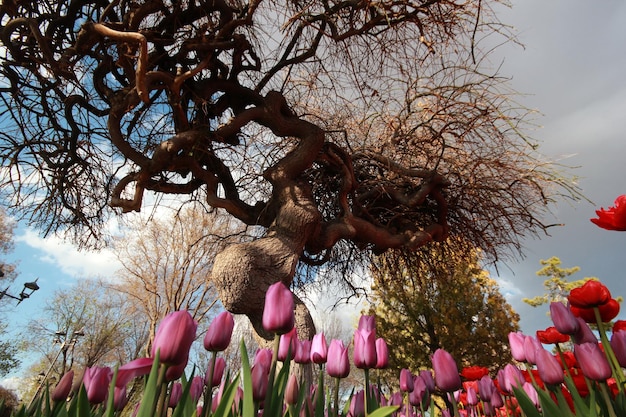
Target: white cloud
66	256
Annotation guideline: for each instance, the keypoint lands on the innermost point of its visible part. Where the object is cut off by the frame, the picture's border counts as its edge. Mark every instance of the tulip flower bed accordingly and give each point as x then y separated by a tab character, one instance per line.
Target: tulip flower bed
585	381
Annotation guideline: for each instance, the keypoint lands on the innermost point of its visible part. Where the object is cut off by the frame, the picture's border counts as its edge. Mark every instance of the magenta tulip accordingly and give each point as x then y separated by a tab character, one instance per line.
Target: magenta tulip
618	343
132	369
420	396
510	377
319	349
176	392
264	357
427	376
367	323
563	318
287	346
337	364
486	386
96	380
292	390
357	405
218	373
531	345
549	368
174	372
278	312
120	399
447	376
592	361
365	348
197	386
406	380
174	337
217	337
260	379
63	388
516	342
472	396
382	354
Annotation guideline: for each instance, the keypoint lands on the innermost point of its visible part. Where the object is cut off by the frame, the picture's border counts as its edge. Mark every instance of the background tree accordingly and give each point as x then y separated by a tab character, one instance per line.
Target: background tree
340	129
556	284
166	265
9	349
436	298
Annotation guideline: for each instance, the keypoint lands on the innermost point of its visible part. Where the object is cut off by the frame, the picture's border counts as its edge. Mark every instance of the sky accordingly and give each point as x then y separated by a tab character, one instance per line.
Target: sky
572	71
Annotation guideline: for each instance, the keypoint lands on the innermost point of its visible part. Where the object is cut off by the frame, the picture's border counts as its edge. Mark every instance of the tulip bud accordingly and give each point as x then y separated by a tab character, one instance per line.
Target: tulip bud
472	396
516	341
357	405
264	357
292	390
197	386
120	399
259	376
337	364
287	345
549	368
217	337
531	392
592	361
278	312
446	372
618	344
584	333
531	345
382	354
563	319
63	388
174	337
218	373
365	348
319	349
96	381
176	393
406	380
367	323
427	376
486	387
303	352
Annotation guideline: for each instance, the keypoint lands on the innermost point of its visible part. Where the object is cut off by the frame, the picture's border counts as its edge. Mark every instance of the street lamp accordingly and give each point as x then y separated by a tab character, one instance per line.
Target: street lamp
29	289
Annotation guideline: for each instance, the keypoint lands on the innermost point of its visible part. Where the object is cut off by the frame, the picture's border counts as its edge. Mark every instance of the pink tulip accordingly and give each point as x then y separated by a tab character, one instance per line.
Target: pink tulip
531	392
63	388
618	343
278	313
260	379
264	357
472	396
96	380
592	361
218	373
549	368
174	337
367	323
447	376
287	346
365	348
516	341
120	399
337	364
382	354
292	390
357	405
406	380
563	318
217	337
531	345
510	377
420	395
176	393
303	352
319	349
486	387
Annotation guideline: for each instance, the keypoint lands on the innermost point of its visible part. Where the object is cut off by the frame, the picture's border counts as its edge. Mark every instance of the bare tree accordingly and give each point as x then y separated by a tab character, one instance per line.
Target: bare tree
339	128
166	265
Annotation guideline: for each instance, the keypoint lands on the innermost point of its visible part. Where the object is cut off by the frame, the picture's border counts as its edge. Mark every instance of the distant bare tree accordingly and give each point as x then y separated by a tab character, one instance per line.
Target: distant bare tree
339	128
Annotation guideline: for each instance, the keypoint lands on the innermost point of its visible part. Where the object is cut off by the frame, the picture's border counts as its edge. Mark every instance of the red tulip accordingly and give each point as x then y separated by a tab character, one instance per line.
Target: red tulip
382	354
551	336
174	337
608	312
63	388
614	218
549	368
96	380
592	361
474	373
337	364
217	337
278	312
619	325
446	372
591	294
319	349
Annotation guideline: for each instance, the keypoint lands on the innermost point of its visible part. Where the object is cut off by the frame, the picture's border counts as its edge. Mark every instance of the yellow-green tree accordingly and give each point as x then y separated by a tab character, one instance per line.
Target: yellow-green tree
556	284
437	299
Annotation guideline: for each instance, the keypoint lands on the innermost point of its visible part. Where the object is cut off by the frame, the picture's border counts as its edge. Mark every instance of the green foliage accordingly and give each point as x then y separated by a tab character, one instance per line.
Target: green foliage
434	299
556	284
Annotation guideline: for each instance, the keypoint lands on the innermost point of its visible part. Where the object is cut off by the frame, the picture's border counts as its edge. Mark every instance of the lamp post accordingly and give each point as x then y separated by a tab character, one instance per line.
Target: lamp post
29	289
66	343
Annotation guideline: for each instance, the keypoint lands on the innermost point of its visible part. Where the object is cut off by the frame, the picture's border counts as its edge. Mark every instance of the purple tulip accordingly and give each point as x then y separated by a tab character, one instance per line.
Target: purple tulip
427	376
420	396
63	388
176	392
447	376
486	387
319	349
217	337
382	354
278	313
549	368
120	399
496	399
197	386
357	405
406	380
365	348
516	341
287	346
510	377
592	361
618	343
563	318
218	373
584	333
337	364
292	390
472	396
174	337
96	380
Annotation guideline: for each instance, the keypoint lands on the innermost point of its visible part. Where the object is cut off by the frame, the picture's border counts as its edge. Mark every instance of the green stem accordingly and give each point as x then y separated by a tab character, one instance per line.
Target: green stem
206	411
160	407
336	398
618	374
607	398
270	382
366	395
455	406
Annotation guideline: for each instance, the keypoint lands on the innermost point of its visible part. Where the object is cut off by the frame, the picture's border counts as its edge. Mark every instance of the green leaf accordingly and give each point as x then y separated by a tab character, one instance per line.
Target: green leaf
228	396
580	407
525	403
151	392
248	400
549	407
384	411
